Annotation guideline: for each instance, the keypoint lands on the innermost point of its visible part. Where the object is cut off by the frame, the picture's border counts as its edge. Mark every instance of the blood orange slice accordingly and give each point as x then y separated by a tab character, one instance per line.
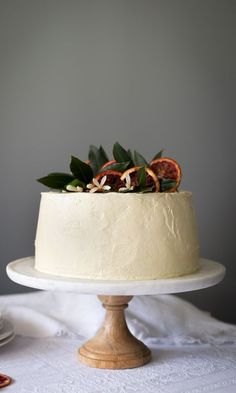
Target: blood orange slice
4	380
113	179
152	180
167	168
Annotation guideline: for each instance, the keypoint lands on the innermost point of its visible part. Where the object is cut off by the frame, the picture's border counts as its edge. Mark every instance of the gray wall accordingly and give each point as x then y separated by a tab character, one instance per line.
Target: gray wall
150	74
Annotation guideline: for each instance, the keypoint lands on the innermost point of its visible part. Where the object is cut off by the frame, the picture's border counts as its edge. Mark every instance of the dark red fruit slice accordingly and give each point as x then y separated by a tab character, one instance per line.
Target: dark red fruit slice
113	179
152	180
4	380
167	168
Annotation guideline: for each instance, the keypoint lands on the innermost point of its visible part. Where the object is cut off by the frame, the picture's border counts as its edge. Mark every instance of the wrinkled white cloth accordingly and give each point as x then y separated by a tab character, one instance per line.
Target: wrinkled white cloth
160	319
50	365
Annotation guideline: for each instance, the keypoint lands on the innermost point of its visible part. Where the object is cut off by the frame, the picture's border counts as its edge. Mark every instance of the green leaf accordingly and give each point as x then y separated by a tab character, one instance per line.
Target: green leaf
118	166
77	182
167	181
120	154
129	152
80	170
145	190
166	184
142	177
139	159
56	180
103	157
158	155
97	157
93	153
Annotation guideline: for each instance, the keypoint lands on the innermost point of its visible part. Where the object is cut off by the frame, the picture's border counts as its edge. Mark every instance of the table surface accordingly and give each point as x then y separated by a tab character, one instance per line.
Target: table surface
192	352
22	271
50	366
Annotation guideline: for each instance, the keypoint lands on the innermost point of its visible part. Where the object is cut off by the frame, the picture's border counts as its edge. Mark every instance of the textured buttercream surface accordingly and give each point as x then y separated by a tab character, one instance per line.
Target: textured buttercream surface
116	236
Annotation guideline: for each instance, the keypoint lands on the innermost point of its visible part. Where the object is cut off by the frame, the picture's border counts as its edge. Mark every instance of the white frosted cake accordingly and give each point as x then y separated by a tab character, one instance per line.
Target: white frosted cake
117	236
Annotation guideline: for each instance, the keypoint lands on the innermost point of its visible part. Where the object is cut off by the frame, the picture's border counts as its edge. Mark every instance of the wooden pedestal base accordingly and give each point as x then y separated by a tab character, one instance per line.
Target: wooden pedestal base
114	347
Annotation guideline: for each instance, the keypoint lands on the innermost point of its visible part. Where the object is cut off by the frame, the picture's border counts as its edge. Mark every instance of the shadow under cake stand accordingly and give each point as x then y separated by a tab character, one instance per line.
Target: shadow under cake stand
114	347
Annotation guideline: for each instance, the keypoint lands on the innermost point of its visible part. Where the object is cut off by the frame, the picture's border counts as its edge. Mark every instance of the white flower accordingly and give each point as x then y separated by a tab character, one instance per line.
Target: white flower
128	186
70	187
96	186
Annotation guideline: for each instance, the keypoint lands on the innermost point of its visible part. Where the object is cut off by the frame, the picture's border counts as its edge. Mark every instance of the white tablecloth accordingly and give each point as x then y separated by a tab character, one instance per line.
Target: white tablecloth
46	361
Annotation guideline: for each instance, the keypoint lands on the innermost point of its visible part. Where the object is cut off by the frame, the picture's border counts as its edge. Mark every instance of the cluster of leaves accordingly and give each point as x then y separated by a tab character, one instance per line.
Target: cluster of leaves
82	173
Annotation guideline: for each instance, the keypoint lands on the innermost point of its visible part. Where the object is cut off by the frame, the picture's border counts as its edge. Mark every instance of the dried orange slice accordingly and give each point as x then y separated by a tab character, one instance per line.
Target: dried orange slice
167	168
152	180
113	179
4	380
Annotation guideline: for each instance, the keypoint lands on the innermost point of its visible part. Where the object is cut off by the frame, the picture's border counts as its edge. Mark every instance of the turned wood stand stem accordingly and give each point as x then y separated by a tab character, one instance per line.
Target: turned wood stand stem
114	347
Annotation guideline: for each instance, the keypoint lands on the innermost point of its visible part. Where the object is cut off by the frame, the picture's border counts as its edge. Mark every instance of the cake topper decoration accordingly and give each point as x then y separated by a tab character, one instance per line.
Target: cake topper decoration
127	172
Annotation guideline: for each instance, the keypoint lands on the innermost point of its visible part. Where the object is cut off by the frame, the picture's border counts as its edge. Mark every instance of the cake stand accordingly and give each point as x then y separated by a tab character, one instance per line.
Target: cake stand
114	347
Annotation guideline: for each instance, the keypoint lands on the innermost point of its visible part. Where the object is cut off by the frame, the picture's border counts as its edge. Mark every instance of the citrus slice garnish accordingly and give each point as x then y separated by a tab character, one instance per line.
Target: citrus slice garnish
152	180
167	168
113	179
4	380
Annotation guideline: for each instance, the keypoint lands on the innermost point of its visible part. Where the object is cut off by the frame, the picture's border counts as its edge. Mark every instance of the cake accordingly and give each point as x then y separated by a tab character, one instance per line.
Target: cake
116	236
121	225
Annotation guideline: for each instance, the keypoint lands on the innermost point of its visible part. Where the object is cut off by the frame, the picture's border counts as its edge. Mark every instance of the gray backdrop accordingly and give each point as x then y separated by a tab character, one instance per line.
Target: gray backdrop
150	74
